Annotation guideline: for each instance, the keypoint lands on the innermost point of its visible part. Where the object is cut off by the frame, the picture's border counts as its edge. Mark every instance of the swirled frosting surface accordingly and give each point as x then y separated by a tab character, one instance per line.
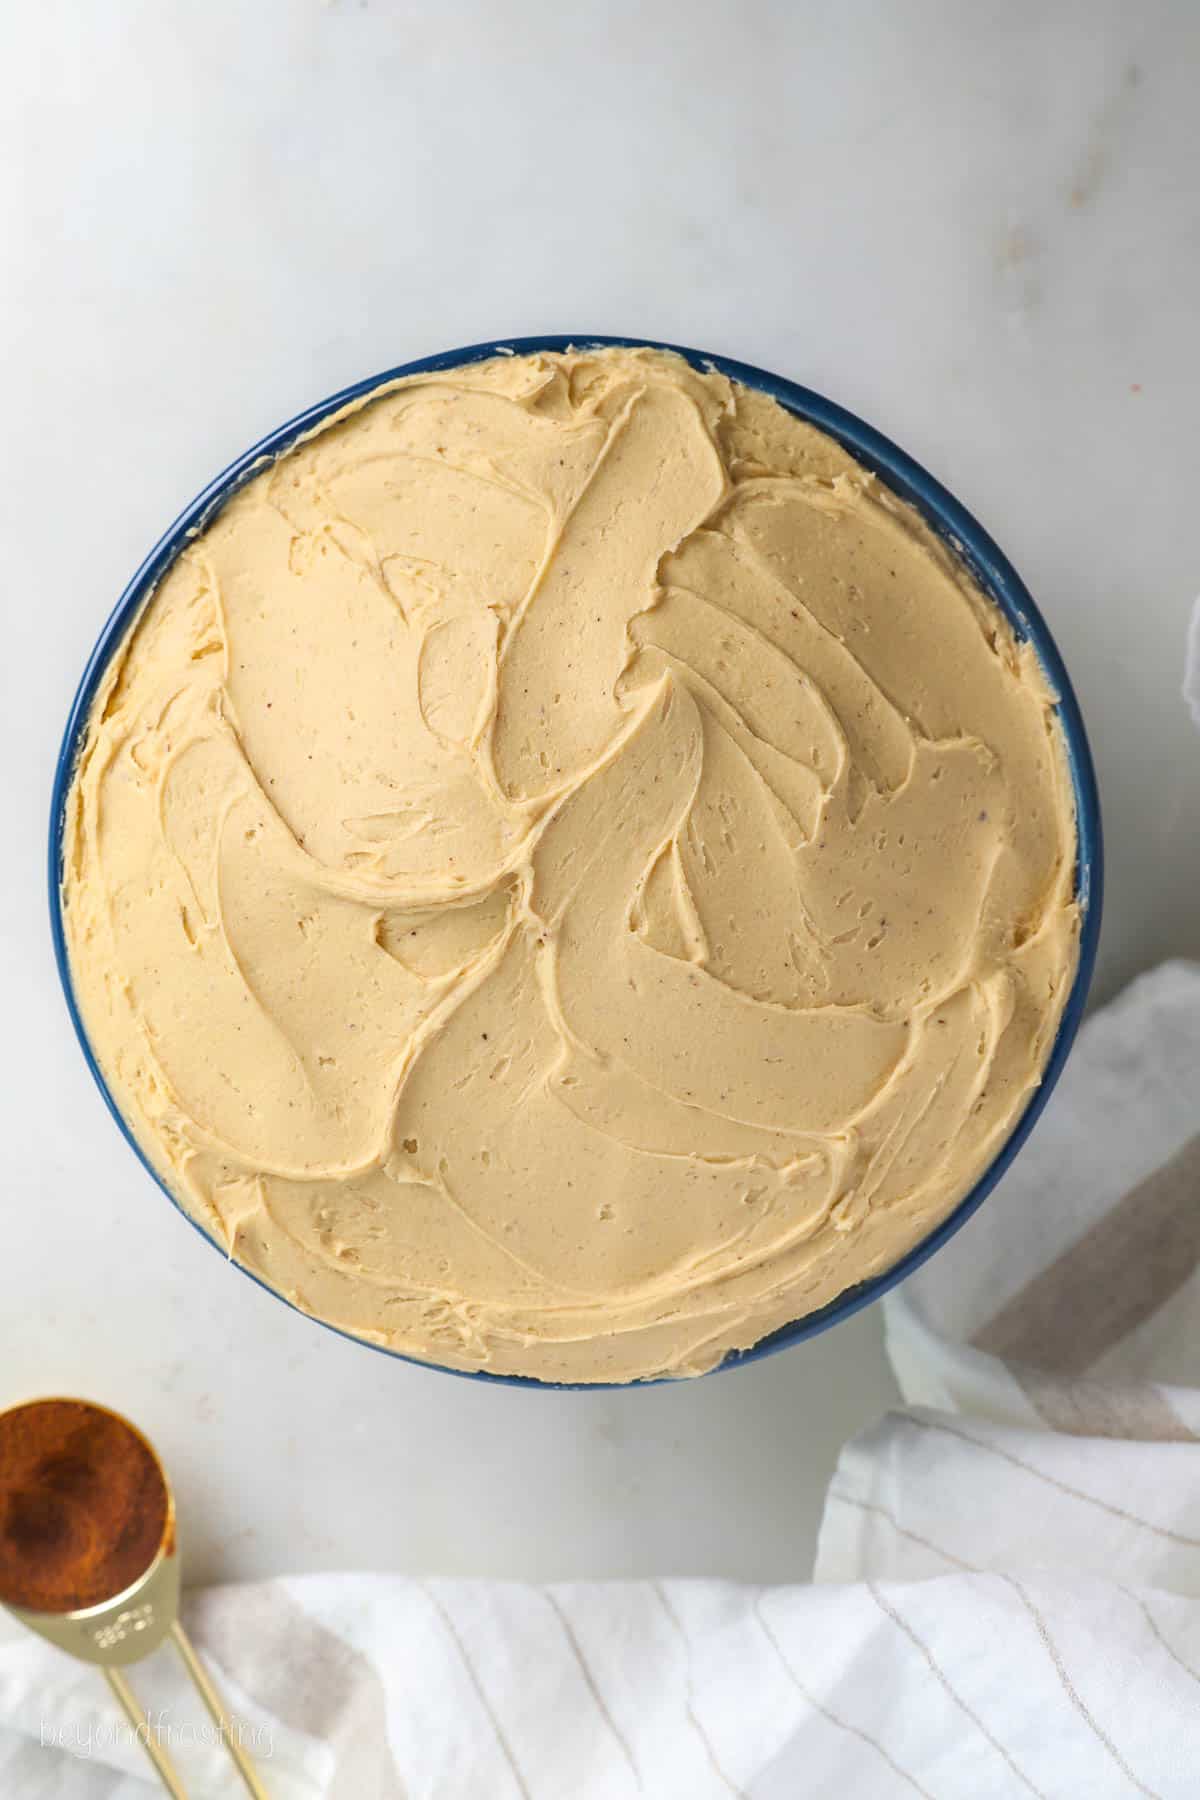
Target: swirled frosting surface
566	874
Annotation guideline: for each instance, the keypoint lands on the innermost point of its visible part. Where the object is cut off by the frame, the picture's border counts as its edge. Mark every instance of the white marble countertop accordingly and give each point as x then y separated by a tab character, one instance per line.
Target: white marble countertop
975	225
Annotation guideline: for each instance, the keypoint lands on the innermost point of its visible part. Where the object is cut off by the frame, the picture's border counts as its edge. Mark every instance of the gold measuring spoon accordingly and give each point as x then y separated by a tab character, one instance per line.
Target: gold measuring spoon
88	1555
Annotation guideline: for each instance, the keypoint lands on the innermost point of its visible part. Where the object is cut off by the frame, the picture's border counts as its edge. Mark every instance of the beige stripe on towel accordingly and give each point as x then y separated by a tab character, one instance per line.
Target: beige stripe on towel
1083	1408
1116	1276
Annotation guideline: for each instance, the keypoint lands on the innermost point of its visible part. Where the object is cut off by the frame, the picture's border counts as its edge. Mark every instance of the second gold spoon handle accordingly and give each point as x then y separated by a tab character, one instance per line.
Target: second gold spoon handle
220	1718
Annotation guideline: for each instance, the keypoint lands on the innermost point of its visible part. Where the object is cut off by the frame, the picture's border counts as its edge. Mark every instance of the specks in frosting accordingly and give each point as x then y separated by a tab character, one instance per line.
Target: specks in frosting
567	874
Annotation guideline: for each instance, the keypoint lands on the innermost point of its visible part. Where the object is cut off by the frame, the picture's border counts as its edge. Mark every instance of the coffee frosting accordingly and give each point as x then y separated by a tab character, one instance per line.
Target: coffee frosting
567	874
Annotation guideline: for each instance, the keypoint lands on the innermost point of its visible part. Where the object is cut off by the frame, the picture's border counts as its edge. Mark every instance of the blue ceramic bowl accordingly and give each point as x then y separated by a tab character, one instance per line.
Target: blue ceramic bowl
987	563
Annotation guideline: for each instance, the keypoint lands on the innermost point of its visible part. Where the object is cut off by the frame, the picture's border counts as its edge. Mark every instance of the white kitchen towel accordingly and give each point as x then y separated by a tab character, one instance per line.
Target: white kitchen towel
1191	678
1007	1594
1008	1582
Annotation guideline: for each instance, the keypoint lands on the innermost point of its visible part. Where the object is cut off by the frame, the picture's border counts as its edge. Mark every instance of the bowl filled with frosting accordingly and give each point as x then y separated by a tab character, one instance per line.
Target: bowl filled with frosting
576	862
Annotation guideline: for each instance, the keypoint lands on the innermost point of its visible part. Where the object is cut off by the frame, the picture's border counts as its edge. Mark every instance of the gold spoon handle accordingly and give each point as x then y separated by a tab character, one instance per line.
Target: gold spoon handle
141	1726
220	1718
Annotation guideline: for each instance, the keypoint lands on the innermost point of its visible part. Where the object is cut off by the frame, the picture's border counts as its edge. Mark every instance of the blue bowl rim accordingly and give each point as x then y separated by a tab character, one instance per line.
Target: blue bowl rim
903	476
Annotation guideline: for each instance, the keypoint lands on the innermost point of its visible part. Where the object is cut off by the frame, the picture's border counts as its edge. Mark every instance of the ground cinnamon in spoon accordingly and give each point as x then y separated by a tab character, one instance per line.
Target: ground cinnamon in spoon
83	1505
